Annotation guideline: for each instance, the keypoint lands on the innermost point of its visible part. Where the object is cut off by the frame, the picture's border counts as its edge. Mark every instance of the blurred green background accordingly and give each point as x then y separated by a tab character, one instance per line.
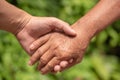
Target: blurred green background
102	59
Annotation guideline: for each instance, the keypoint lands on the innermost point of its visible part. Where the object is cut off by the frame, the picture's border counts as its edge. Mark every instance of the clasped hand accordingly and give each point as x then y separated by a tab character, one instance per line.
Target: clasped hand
56	50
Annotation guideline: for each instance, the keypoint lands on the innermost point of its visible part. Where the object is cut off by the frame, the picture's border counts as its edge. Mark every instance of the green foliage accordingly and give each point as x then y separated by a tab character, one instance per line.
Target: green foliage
99	63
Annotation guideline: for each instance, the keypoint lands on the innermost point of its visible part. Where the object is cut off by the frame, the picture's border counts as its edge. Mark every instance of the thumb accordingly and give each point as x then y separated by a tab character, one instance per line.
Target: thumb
64	27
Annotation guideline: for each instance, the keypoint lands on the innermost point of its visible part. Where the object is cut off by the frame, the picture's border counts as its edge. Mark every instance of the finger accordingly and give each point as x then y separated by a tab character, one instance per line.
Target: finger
74	62
45	58
50	66
57	68
65	27
36	56
63	64
39	42
68	66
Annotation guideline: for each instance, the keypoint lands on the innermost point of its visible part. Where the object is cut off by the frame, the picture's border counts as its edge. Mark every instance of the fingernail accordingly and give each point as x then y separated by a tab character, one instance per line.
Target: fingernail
30	63
32	47
63	64
57	68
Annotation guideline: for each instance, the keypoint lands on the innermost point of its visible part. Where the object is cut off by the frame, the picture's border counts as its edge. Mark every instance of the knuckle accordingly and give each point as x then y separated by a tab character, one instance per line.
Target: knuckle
67	24
55	23
62	56
50	66
53	19
43	60
35	43
39	51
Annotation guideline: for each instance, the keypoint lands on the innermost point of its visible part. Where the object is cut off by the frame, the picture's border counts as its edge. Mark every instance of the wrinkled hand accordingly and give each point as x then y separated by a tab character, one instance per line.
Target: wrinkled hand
37	27
58	48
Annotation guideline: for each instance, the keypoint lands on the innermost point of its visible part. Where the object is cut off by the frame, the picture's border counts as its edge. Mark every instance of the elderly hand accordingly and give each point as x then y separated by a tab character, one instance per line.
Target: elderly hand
57	48
37	27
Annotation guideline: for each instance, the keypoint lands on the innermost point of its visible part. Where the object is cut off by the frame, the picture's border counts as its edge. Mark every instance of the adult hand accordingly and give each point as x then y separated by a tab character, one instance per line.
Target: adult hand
37	27
59	48
28	28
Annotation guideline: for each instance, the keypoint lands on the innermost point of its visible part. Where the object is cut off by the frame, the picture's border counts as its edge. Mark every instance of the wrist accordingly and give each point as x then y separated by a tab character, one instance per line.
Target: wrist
12	19
98	18
83	29
20	21
83	36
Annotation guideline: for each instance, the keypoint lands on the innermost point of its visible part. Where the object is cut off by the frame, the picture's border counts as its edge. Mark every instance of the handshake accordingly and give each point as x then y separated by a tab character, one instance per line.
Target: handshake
52	43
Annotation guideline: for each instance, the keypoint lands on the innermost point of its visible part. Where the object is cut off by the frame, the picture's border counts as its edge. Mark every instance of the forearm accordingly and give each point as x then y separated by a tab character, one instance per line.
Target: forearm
12	19
102	15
